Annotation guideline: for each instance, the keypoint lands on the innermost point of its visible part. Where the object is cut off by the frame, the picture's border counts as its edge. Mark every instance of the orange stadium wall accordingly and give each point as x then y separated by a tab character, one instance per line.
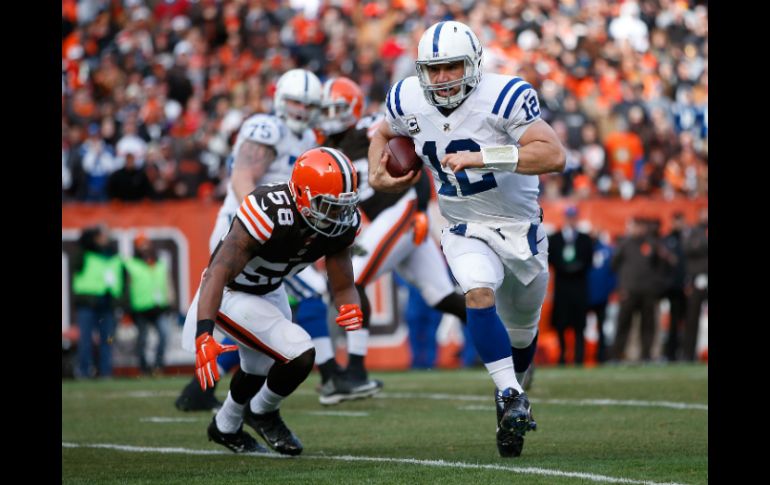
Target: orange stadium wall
183	228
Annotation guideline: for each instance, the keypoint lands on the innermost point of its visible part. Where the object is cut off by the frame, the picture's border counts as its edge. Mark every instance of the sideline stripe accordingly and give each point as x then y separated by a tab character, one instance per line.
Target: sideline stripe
410	461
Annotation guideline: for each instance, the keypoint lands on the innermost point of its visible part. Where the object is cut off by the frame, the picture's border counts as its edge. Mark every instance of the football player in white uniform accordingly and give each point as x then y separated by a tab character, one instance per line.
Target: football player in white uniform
279	230
396	237
483	141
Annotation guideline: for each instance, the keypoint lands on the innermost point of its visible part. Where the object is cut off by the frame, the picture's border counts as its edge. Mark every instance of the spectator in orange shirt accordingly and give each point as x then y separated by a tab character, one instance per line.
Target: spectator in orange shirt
625	154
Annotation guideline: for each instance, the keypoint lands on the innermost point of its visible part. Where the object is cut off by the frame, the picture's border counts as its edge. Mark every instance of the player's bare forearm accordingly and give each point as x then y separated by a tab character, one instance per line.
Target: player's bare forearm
540	151
339	269
376	145
242	183
541	157
249	167
237	248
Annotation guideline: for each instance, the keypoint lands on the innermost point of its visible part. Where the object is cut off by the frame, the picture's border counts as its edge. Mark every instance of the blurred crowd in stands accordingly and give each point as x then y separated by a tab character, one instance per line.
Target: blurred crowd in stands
154	90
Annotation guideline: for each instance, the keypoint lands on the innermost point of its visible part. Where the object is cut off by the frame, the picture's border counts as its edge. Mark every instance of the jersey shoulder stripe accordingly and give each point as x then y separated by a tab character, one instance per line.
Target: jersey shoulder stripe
503	93
509	89
407	89
387	103
256	230
520	89
398	98
257	222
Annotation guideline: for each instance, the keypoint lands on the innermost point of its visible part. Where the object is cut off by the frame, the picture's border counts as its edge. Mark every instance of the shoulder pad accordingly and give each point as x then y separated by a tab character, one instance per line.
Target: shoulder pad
262	129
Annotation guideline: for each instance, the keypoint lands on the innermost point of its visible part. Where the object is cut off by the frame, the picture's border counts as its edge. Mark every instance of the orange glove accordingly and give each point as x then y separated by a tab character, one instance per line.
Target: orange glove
420	226
351	317
206	352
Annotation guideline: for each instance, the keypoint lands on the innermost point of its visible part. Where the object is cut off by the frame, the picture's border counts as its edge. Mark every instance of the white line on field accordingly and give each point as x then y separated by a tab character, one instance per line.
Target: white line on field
141	394
469	397
476	407
352	414
411	461
161	419
570	402
627	402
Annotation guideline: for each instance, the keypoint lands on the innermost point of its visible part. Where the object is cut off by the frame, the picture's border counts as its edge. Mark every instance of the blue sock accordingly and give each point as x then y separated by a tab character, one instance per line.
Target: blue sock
489	335
228	360
522	358
311	315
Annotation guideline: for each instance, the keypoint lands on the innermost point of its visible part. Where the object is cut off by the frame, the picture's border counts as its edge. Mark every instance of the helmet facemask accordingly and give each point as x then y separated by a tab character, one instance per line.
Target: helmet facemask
471	77
327	214
336	117
324	185
298	119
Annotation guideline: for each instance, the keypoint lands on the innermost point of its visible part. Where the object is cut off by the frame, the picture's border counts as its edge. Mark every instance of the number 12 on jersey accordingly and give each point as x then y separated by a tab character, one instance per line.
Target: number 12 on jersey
467	187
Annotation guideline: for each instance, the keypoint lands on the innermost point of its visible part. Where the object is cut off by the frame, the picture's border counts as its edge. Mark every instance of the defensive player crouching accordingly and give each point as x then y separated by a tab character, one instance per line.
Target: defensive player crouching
279	230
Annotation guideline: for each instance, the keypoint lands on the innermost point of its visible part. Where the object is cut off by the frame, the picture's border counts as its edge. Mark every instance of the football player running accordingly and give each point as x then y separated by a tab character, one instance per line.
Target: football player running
396	237
279	230
484	143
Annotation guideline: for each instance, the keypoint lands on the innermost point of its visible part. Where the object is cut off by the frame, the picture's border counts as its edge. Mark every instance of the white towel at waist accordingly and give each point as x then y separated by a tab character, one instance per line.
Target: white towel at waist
510	242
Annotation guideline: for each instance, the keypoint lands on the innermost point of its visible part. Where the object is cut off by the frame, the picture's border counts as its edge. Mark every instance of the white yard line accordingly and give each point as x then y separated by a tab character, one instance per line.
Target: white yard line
624	402
409	461
351	414
161	419
461	397
569	402
141	394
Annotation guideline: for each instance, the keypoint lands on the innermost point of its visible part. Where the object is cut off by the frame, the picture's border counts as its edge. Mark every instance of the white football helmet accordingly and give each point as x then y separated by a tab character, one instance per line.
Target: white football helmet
304	87
445	42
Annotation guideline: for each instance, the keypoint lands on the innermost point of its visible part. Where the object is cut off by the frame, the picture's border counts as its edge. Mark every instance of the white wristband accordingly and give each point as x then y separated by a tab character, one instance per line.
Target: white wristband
504	157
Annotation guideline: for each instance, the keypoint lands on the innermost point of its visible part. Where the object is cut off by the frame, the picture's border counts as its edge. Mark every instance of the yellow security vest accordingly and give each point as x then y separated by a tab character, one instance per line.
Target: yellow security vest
100	274
148	284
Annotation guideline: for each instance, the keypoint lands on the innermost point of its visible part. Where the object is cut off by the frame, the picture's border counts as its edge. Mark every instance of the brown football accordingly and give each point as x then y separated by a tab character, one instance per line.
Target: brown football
402	157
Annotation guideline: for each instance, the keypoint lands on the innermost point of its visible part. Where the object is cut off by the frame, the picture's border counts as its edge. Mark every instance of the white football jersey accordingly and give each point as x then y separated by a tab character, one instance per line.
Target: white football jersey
497	112
270	130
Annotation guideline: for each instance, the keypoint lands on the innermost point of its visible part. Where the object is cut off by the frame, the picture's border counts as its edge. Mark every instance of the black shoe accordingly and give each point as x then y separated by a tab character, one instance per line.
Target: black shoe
273	430
238	442
193	398
335	390
360	384
365	387
514	419
341	388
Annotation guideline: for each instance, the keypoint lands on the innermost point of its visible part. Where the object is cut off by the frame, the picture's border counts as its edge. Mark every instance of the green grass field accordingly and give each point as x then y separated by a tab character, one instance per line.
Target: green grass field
605	425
